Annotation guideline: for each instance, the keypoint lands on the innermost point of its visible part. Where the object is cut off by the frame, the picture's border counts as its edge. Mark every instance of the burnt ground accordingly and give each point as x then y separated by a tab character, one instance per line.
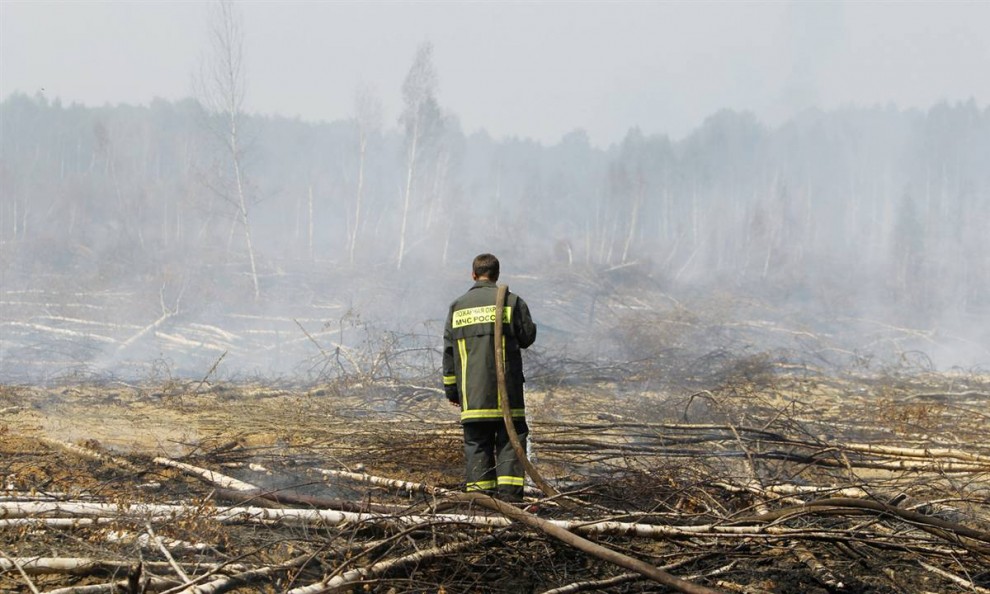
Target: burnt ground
766	482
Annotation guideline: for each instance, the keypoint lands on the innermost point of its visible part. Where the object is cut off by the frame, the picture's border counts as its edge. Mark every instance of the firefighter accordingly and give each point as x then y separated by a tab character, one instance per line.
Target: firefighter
470	381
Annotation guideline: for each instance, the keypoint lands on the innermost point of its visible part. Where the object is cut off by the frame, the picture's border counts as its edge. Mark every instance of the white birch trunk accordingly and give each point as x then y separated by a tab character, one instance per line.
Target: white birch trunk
359	198
410	169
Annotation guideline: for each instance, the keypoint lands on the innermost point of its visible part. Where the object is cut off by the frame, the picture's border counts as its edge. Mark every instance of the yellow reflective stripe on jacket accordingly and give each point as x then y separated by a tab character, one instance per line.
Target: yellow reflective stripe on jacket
490	413
515	481
480	486
479	315
462	348
450	380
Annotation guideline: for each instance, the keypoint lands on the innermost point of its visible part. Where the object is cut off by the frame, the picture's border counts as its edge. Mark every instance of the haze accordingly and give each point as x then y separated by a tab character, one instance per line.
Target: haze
530	70
693	186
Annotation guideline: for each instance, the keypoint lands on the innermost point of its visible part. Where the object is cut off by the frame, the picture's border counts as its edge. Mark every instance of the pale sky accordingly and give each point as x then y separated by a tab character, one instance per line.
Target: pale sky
526	69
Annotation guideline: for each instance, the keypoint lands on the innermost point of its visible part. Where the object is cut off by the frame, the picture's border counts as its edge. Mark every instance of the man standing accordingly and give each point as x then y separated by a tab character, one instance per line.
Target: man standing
470	380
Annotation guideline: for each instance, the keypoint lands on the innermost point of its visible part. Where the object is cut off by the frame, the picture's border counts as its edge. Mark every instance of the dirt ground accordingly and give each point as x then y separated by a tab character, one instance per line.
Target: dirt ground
745	455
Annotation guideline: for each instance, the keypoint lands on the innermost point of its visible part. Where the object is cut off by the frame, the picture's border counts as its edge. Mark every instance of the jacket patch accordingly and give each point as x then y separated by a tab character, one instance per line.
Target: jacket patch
479	315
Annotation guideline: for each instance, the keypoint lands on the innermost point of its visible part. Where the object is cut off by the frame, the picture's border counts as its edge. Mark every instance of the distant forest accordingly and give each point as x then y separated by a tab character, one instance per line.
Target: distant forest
878	203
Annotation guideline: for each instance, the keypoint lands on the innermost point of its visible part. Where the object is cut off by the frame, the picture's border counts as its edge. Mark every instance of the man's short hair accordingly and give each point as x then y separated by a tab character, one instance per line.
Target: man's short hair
486	265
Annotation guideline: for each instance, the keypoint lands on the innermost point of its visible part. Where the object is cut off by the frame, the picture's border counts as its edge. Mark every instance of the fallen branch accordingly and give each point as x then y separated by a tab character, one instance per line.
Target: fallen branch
209	373
582	544
225	583
584	586
968	584
171	560
142	332
915	518
382	567
20	570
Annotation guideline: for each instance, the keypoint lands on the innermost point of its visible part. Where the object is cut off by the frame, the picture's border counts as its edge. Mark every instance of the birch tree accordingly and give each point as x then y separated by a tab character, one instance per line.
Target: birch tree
421	119
368	113
222	89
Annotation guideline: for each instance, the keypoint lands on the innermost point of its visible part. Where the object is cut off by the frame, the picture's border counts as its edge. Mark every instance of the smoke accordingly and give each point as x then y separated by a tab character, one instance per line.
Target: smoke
123	255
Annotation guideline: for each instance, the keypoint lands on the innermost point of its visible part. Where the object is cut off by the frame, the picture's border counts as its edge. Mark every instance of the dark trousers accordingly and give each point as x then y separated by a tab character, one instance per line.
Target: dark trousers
492	465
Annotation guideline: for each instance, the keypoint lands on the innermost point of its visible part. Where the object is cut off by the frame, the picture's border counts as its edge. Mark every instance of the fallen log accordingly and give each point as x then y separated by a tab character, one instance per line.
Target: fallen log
70	523
146	541
62	332
151	584
59	565
401	485
21	571
210	476
80	566
299	517
925	453
90	453
290	498
386	482
913	466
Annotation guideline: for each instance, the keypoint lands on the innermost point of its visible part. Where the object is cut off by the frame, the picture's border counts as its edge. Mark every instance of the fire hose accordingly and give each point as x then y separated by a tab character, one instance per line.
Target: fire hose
641	567
503	398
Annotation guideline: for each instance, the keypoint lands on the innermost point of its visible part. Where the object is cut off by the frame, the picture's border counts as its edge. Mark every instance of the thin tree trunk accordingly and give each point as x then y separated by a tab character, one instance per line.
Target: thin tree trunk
242	205
410	168
309	230
359	198
633	222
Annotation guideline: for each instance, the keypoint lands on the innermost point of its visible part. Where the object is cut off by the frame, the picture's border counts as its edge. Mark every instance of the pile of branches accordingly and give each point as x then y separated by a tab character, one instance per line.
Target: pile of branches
688	500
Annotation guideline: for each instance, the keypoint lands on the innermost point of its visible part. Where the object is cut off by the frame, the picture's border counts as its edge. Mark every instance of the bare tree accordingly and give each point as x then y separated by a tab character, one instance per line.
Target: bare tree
368	113
421	117
222	89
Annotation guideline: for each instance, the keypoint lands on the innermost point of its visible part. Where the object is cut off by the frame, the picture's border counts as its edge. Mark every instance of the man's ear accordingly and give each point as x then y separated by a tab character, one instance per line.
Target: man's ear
474	277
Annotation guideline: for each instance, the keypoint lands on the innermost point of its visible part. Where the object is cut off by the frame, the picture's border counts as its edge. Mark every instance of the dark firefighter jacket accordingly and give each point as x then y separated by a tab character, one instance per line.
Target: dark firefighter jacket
469	351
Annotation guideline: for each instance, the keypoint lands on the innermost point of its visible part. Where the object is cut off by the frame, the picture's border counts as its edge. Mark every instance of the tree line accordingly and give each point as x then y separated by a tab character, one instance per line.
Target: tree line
880	201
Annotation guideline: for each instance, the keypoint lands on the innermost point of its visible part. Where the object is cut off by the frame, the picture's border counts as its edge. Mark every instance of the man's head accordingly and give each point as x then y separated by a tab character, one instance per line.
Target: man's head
485	267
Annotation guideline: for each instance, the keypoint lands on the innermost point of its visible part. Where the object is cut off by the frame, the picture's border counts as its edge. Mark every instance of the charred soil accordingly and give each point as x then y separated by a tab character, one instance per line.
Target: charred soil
774	482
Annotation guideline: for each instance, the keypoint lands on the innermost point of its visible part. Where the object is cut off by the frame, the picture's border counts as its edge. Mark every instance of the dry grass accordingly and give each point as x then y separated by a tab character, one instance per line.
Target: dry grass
657	457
